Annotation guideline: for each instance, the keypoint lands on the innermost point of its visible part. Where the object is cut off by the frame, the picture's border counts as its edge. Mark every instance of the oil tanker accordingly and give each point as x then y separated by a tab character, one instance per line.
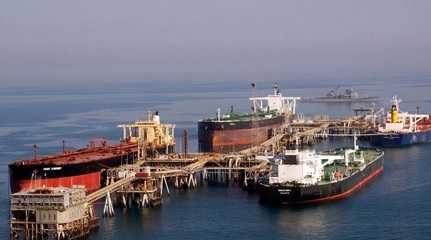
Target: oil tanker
85	166
235	131
402	128
307	177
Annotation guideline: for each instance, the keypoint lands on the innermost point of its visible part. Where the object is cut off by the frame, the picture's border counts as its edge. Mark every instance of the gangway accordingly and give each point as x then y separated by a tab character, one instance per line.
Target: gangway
101	193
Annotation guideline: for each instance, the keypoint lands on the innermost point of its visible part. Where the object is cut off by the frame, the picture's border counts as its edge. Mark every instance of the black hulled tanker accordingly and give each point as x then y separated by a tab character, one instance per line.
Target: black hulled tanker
306	177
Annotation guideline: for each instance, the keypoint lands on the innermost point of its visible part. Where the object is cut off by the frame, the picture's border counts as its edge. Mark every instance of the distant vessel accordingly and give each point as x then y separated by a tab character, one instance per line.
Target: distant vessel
303	177
234	131
402	128
337	96
84	166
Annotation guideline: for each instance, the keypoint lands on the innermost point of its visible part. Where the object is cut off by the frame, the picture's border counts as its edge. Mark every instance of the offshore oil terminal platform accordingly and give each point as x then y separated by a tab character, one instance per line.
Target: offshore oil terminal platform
53	197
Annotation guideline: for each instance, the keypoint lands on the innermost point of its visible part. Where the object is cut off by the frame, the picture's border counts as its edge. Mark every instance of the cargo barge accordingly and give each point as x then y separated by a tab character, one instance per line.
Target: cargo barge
308	177
85	166
233	132
402	128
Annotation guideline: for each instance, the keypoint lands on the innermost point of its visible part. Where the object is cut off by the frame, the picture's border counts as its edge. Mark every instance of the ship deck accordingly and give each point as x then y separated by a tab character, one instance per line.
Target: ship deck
424	124
82	155
240	117
369	156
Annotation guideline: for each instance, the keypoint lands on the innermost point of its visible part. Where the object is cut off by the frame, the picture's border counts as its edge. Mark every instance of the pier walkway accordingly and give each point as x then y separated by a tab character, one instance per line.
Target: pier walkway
180	169
101	193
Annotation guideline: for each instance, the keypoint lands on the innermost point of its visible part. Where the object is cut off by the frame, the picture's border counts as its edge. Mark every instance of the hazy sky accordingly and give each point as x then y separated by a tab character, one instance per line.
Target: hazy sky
219	40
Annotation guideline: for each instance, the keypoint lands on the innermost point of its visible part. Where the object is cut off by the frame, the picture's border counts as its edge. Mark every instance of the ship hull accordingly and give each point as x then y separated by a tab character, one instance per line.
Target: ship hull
91	181
88	174
294	195
401	139
235	136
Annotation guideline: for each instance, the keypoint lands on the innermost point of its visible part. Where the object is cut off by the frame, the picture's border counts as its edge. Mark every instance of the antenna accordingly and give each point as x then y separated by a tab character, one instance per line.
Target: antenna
35	150
253	135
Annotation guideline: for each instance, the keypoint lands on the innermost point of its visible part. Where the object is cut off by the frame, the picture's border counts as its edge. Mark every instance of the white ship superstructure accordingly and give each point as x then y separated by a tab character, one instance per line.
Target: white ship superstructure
308	167
401	122
275	102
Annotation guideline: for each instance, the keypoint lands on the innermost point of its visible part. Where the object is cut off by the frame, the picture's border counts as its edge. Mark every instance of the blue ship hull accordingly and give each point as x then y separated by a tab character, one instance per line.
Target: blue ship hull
401	139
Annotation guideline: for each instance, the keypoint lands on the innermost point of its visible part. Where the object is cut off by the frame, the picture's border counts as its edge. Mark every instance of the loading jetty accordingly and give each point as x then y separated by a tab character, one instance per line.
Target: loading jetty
143	169
51	213
153	175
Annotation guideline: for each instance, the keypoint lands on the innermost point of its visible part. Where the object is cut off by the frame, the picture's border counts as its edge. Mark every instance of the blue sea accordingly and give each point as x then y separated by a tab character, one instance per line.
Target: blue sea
397	205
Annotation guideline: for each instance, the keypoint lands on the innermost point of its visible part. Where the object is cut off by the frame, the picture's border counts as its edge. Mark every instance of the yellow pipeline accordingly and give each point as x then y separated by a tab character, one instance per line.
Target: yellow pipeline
394	114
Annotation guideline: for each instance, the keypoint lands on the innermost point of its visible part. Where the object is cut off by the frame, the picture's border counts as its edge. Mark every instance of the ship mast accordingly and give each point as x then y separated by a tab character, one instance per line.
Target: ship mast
253	94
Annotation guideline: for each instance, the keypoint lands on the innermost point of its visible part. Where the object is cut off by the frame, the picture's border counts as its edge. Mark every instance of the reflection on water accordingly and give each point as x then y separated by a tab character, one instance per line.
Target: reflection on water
300	221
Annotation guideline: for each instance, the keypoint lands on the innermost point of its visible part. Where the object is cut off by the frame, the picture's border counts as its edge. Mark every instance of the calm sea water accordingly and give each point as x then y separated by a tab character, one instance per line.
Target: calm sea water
397	205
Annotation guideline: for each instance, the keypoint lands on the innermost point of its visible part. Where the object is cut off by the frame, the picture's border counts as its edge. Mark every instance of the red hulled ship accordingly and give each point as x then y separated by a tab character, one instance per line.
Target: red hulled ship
85	166
80	167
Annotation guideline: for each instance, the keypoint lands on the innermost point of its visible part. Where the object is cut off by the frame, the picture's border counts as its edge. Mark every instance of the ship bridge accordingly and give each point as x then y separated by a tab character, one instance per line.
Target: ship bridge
150	132
275	102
